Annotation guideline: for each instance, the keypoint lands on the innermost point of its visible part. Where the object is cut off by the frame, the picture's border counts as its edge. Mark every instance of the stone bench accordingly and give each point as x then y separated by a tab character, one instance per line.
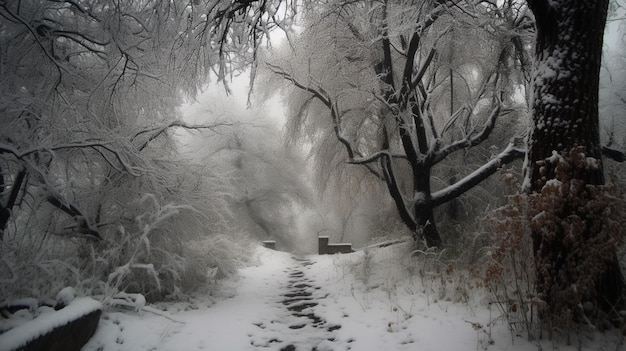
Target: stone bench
269	244
324	248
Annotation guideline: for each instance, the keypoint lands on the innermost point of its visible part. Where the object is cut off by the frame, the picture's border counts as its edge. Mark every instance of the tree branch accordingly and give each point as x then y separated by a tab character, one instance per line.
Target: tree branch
4	148
321	95
162	129
420	74
614	154
470	140
84	225
509	154
394	187
375	157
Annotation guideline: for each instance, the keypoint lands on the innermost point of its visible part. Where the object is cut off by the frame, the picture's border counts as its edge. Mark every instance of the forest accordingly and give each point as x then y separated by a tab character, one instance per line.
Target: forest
149	147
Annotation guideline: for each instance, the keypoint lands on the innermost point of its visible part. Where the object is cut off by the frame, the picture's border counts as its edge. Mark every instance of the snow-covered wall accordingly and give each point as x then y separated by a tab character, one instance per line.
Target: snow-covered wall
66	329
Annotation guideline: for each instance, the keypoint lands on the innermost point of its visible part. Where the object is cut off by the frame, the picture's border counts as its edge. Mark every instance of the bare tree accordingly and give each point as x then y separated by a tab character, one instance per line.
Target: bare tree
375	73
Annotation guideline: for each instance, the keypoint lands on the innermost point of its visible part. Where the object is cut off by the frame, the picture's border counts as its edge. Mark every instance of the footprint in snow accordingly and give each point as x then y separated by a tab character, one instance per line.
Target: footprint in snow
300	327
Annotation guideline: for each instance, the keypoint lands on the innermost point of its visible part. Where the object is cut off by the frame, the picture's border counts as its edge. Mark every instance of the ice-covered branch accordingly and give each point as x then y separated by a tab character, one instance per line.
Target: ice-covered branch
318	93
84	225
321	95
414	46
374	157
178	123
471	139
511	153
93	144
33	31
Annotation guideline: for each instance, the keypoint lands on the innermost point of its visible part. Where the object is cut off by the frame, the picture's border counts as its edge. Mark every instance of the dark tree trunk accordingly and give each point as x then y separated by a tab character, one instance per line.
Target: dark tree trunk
424	209
427	225
565	117
567	70
422	220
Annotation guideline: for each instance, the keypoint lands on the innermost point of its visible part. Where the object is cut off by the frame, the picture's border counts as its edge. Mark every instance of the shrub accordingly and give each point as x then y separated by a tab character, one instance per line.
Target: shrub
559	242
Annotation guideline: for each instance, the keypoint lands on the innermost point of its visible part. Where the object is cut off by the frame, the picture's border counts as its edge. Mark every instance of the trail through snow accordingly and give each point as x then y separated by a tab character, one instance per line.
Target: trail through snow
296	325
274	309
376	300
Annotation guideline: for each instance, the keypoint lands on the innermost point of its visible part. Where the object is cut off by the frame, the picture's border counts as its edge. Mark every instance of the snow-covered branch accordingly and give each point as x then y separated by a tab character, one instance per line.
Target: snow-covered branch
92	144
156	131
511	153
472	139
322	96
374	157
84	225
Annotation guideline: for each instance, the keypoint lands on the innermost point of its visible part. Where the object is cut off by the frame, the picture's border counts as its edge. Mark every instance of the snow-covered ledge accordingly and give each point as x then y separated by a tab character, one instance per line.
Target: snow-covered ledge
269	244
328	249
67	329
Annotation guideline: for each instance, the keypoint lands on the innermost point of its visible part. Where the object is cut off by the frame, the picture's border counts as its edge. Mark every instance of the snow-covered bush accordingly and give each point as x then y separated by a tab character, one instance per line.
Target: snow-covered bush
144	255
147	251
36	266
147	225
509	272
594	229
215	257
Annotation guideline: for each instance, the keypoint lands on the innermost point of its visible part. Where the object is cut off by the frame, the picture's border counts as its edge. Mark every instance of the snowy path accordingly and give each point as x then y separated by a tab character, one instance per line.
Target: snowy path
363	302
274	309
320	303
297	325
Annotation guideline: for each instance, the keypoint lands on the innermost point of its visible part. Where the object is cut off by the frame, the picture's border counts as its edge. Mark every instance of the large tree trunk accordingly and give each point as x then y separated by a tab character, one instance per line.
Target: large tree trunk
578	274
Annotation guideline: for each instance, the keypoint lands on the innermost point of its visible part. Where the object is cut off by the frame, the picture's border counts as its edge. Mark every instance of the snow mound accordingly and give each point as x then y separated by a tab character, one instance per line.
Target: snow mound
66	295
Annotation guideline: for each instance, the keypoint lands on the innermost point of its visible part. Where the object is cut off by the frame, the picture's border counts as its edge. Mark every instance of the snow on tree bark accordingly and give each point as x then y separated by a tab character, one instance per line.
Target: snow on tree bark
565	124
566	79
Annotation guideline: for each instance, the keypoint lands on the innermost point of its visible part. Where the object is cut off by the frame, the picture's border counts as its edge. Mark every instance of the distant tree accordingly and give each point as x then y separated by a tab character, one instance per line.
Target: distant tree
574	238
372	80
268	186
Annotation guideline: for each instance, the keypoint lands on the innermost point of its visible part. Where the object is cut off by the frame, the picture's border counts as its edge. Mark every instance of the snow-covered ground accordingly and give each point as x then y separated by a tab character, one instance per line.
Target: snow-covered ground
380	299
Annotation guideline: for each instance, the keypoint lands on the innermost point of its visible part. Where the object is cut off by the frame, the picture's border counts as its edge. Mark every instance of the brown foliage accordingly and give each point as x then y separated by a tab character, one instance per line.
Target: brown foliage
575	229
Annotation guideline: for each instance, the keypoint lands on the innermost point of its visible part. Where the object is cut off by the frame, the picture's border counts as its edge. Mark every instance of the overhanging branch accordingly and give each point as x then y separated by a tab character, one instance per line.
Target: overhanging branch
470	140
375	157
162	129
318	93
84	225
93	144
457	189
614	154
